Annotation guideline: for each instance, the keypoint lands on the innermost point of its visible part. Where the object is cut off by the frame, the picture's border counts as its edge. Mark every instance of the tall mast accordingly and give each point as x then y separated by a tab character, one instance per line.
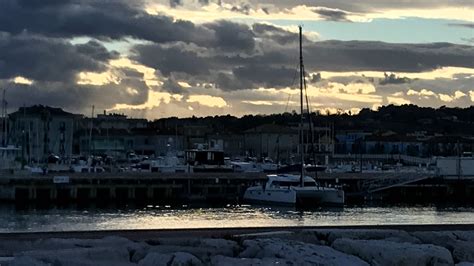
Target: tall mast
3	120
90	132
301	107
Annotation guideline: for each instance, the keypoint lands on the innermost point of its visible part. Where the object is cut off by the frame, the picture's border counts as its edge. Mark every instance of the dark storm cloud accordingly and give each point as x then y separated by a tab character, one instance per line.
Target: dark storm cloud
96	50
331	14
393	79
172	59
263	75
244	9
379	56
170	85
279	35
48	59
175	3
42	3
231	36
76	97
360	6
107	19
274	66
464	25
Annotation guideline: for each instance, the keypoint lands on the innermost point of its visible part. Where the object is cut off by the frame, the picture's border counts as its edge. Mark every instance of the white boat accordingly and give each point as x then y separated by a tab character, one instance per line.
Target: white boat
286	189
299	189
171	163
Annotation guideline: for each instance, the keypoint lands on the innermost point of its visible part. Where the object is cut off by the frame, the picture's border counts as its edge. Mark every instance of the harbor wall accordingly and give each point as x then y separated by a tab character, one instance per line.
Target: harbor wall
220	187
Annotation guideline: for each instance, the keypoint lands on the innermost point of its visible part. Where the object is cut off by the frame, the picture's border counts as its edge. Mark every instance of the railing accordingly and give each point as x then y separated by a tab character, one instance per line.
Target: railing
399	157
391	180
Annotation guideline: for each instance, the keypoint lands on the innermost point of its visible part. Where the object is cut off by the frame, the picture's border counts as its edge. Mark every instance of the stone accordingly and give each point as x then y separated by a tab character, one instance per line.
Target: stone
452	240
296	252
27	261
113	255
365	234
185	259
382	252
228	261
464	235
10	247
465	263
224	247
463	251
439	238
156	259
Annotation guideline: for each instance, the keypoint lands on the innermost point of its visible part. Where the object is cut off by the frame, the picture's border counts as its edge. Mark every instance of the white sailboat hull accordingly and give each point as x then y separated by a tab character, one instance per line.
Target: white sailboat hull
280	196
319	196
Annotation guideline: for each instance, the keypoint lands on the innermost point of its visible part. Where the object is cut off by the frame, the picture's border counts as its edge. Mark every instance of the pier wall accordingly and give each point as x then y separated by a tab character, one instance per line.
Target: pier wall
219	187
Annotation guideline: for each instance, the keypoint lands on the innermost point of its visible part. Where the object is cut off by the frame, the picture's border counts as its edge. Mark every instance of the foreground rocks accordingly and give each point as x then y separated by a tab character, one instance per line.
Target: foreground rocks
304	247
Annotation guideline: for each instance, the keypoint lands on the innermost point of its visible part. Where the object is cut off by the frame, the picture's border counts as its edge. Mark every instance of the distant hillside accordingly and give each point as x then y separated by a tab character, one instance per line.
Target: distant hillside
400	119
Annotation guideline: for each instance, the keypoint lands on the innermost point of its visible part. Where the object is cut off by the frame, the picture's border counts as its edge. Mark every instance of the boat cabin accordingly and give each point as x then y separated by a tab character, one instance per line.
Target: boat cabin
204	157
289	181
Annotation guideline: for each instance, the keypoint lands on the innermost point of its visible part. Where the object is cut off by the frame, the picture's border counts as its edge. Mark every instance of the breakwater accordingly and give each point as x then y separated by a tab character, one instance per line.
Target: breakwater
372	245
223	187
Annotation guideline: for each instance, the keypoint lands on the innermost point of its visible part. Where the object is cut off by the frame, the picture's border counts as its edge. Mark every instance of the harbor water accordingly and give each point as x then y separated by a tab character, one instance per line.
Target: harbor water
74	218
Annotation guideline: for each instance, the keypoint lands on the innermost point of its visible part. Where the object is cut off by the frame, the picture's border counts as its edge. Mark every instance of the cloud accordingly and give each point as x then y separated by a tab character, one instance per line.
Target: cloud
393	79
464	25
49	59
332	14
309	10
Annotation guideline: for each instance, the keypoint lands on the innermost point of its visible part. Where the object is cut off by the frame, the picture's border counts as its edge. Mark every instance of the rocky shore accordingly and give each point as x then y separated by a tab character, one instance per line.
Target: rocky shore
301	247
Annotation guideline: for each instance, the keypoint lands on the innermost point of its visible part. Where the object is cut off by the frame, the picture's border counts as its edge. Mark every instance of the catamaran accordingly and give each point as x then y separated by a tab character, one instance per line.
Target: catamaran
290	189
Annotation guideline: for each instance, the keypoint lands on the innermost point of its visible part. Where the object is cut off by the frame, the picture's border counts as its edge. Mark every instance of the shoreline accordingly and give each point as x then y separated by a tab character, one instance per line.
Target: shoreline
141	234
414	244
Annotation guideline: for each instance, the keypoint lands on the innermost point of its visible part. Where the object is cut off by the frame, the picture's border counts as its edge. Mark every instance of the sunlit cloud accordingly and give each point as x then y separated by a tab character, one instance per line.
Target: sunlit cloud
397	100
444	72
299	12
22	80
148	72
207	100
98	79
155	99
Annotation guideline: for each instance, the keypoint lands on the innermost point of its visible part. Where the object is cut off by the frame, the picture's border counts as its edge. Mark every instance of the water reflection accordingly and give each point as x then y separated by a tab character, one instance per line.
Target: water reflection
73	217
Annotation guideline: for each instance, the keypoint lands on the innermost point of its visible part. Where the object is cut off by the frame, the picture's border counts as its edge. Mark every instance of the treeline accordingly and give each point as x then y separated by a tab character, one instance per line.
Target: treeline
400	119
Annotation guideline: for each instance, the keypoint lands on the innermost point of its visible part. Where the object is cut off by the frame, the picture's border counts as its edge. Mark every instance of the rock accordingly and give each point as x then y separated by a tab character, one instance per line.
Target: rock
184	259
297	252
381	252
465	263
464	235
27	261
10	247
114	256
156	259
366	234
452	240
224	247
436	238
251	249
222	260
463	251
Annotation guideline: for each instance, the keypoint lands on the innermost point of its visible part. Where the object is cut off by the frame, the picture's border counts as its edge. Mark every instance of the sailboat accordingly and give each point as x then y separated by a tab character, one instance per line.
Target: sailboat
293	189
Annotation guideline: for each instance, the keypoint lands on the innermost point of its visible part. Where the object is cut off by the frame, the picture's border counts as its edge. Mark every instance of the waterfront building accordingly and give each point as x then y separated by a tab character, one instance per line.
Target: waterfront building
41	131
270	140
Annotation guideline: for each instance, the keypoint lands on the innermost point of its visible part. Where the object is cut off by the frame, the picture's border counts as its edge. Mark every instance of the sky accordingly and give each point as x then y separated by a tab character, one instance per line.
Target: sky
162	58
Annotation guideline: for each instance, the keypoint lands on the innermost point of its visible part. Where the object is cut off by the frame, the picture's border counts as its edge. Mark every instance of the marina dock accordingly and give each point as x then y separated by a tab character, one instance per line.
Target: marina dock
220	187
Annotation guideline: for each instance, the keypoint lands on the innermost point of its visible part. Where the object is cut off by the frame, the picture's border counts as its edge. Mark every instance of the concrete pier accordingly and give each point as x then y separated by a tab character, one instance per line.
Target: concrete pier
221	187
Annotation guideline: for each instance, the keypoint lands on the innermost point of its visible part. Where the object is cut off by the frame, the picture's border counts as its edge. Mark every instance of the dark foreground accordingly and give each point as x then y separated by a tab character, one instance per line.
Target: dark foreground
351	245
